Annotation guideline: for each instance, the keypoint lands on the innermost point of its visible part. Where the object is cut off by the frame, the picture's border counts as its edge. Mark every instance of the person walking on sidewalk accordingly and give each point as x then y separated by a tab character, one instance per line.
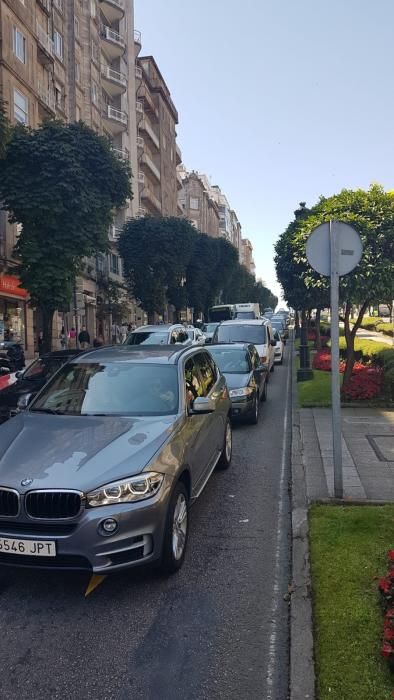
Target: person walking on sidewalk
84	338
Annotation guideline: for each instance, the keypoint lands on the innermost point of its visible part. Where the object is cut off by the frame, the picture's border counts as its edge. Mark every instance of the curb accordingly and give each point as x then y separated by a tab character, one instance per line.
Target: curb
302	668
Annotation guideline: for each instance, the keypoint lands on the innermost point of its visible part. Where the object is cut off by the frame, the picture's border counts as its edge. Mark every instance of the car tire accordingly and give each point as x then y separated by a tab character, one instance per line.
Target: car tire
172	558
265	392
225	458
254	417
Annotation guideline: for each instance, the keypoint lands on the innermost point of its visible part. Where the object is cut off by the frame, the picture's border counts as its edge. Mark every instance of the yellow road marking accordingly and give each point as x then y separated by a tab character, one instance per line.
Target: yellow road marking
95	580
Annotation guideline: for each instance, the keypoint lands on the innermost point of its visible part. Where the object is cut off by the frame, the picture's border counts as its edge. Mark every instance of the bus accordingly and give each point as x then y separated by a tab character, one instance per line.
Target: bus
221	312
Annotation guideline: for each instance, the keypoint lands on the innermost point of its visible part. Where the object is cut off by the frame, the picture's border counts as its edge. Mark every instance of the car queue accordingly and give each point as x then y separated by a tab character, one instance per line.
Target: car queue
107	449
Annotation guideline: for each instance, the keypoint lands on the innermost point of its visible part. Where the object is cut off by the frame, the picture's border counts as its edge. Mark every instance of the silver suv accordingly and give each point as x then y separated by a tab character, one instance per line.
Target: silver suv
99	472
159	334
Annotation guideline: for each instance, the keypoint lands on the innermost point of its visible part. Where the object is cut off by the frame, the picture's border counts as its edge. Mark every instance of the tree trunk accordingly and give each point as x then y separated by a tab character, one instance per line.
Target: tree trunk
47	322
151	318
297	325
317	329
350	335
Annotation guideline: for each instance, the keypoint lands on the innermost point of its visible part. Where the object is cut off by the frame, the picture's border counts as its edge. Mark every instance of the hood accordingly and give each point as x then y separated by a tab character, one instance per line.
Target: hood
237	381
77	452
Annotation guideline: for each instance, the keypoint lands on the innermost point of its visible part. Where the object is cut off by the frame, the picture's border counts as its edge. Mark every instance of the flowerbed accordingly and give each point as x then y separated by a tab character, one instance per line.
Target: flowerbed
386	588
365	383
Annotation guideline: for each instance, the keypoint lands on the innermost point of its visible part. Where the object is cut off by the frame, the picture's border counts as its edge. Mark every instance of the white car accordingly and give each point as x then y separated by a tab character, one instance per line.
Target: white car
279	347
255	332
195	335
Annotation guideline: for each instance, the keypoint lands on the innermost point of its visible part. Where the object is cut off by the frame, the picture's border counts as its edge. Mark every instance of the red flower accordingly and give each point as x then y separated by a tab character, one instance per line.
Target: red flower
385	585
390	613
388	634
386	650
390	555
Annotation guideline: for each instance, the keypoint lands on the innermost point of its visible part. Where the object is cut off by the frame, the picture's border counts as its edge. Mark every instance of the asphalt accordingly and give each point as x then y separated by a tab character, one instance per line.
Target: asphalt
217	629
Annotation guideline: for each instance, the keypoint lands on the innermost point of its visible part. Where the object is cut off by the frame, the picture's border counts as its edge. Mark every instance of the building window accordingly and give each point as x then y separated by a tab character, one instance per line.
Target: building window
20	107
58	43
95	93
76	27
114	264
194	203
77	71
93	9
172	155
95	52
77	114
164	142
59	95
19	44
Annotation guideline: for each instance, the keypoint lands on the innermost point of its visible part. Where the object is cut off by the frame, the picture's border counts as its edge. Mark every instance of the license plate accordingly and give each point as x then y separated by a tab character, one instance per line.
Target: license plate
31	548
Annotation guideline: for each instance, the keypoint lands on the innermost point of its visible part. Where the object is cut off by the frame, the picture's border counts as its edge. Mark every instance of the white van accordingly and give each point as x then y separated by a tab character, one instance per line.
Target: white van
247	311
257	332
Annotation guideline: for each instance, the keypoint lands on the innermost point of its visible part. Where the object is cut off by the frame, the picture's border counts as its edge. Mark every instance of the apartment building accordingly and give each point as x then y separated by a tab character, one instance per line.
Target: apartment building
247	255
70	59
196	201
158	153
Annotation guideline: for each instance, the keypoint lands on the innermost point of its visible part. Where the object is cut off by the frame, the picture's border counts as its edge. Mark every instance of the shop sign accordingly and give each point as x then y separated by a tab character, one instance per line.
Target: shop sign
9	284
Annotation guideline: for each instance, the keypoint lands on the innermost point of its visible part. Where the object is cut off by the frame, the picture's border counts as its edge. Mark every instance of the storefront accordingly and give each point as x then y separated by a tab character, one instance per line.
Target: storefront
13	310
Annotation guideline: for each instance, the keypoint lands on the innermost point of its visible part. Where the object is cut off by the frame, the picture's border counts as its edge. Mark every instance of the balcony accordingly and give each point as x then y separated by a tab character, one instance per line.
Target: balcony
178	155
147	129
139	107
122	153
114	44
46	96
45	52
148	196
115	119
149	106
114	83
141	178
138	73
148	165
137	40
112	9
114	233
140	142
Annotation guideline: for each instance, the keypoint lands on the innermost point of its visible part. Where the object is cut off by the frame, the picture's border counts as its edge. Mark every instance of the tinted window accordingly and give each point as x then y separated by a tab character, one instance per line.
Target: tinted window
113	388
204	364
43	367
231	360
242	334
210	327
148	338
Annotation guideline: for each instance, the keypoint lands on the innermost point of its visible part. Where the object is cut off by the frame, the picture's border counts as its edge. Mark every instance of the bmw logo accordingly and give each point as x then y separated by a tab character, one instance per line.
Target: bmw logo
26	482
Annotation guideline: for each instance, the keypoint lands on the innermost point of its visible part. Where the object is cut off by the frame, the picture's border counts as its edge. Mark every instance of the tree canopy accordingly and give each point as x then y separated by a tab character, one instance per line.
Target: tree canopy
62	183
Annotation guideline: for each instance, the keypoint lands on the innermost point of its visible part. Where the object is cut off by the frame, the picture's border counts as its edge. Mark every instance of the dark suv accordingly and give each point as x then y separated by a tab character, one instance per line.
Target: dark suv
32	380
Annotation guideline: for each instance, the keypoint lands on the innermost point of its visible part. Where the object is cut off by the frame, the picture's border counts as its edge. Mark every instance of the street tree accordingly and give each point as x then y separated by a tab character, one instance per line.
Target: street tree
156	252
62	183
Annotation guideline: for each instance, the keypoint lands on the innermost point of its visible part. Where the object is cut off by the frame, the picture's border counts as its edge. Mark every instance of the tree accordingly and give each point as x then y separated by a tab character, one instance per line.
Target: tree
62	183
372	214
5	129
156	253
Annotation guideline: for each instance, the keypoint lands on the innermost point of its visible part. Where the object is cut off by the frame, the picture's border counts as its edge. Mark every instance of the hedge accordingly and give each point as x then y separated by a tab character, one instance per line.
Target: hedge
386	328
378	353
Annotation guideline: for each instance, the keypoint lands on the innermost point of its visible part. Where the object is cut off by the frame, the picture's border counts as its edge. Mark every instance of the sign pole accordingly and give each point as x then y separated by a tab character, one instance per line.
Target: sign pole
335	376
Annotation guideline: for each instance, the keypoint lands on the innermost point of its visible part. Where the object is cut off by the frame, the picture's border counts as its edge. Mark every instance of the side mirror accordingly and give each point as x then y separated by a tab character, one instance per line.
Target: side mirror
24	401
203	404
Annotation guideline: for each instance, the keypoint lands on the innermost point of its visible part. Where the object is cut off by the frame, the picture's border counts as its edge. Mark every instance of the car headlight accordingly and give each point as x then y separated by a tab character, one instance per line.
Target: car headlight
245	391
136	488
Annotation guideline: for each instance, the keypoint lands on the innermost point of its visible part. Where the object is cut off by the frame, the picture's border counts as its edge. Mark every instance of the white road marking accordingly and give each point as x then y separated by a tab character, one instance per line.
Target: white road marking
276	599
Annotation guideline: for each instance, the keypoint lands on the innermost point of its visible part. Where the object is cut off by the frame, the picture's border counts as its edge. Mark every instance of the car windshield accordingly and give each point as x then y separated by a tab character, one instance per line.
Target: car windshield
276	323
148	338
210	327
231	360
190	334
113	388
242	334
43	367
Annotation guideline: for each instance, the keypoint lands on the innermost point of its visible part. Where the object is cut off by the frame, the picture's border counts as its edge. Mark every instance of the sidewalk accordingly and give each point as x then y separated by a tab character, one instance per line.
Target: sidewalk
367	453
373	335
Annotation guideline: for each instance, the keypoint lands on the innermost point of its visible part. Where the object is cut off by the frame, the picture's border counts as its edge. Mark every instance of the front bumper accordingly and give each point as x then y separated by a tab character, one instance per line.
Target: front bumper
137	541
242	406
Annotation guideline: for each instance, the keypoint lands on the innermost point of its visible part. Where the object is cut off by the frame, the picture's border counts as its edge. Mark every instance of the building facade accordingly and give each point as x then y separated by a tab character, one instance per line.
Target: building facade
158	153
196	202
74	60
247	255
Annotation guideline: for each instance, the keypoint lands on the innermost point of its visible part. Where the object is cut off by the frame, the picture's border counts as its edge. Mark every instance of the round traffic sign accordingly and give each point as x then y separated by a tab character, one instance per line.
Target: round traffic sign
318	251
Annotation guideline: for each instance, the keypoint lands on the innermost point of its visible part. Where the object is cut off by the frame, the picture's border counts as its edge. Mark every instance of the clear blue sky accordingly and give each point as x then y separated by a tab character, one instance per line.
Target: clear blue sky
279	101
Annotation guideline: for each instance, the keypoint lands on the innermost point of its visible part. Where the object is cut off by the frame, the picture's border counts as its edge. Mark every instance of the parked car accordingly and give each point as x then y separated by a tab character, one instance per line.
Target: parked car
246	378
195	335
280	324
279	348
100	470
258	333
29	382
209	329
161	334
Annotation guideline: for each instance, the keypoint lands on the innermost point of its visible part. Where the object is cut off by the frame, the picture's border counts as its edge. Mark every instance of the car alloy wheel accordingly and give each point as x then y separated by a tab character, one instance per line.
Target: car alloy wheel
179	527
254	418
225	457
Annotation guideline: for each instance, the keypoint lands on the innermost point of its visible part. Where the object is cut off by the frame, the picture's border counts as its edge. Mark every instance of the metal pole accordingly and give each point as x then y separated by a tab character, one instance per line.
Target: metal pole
335	377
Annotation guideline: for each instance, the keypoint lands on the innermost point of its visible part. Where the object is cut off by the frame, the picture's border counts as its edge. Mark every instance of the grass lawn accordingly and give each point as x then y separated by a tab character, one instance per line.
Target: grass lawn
316	391
348	554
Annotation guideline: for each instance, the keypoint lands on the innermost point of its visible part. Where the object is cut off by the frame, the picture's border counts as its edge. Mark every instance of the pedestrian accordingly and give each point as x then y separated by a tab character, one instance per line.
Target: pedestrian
84	338
115	333
123	333
63	338
72	336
